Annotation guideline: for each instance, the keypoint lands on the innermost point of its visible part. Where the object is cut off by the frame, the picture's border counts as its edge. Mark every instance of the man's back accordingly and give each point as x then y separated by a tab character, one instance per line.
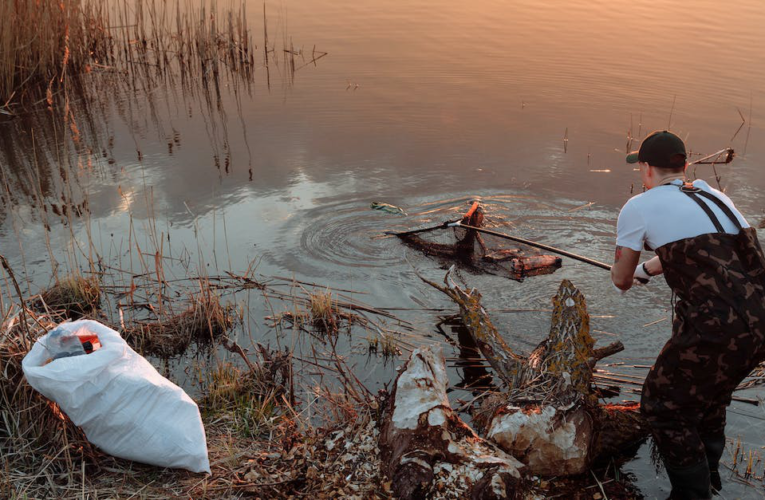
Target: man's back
665	214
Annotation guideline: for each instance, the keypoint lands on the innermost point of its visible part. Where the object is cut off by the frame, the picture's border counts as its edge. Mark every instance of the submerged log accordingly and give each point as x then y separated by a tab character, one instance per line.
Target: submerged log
425	447
549	418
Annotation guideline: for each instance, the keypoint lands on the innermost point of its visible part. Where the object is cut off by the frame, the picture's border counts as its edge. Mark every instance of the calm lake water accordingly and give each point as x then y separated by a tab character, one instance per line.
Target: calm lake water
426	105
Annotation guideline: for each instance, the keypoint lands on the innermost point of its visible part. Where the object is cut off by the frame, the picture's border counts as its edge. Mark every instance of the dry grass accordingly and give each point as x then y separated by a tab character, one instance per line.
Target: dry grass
319	314
389	347
205	320
385	344
323	312
73	296
39	445
249	401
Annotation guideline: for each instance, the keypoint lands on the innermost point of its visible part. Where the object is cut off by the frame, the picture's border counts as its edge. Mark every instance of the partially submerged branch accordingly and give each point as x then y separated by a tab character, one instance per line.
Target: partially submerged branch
508	365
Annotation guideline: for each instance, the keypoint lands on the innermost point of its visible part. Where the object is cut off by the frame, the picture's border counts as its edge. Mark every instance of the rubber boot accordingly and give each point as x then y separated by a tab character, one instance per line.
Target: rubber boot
714	447
689	482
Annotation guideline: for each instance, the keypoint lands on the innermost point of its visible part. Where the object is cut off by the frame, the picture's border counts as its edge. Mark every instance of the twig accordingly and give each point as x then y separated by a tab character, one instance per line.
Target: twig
8	269
232	346
655	322
672	110
600	485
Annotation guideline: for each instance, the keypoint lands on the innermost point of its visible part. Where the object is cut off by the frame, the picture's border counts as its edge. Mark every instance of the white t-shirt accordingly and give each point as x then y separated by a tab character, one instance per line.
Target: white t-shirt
665	214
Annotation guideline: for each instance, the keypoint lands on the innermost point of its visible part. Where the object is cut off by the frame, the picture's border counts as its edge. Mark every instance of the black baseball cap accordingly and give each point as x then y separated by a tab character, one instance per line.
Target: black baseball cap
660	149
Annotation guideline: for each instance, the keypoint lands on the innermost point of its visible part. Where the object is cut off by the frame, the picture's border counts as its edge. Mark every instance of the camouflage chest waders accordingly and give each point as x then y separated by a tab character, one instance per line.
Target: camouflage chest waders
718	337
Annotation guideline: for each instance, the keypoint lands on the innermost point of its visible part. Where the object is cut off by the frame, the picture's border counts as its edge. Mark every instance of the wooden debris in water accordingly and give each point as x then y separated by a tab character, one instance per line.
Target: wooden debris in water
586	205
469	249
549	418
565	141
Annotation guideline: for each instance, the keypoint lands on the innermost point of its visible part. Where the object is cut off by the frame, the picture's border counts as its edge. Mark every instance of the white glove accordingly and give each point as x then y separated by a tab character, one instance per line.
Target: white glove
641	274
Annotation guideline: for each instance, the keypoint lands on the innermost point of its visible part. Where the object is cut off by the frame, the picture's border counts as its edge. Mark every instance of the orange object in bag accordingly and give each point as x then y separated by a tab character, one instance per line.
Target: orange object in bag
89	342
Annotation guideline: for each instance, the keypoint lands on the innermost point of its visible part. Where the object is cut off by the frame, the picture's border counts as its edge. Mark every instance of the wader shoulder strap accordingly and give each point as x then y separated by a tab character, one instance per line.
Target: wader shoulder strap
694	193
706	209
722	206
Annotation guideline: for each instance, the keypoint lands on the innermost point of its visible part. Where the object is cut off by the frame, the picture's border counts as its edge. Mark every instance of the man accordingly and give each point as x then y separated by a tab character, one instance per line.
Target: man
713	262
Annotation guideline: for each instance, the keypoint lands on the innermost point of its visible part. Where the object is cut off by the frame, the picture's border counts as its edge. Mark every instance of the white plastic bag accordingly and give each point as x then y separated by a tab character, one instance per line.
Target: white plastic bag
124	406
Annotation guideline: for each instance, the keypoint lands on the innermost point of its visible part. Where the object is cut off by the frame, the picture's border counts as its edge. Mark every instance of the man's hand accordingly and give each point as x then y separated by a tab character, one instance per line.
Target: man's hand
641	274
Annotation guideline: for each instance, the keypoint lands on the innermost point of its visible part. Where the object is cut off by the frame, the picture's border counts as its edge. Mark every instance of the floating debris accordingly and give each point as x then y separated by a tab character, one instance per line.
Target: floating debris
484	254
387	208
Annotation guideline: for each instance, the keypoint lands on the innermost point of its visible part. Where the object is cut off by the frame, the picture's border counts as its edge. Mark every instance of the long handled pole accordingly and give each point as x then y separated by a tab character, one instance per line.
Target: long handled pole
443	225
530	243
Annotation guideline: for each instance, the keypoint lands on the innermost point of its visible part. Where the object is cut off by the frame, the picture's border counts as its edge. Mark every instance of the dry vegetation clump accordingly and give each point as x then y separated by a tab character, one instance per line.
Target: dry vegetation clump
205	320
73	297
321	316
323	312
384	344
249	400
39	446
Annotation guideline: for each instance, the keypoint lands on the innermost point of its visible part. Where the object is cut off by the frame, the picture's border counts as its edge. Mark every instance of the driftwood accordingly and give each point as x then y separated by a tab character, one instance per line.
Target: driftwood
427	451
549	418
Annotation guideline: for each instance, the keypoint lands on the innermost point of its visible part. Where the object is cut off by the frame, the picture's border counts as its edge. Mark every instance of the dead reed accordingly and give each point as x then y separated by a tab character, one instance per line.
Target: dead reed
324	313
259	443
262	426
44	42
47	44
384	344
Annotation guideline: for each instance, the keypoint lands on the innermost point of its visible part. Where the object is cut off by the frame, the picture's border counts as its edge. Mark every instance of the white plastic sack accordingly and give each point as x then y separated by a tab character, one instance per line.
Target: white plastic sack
124	406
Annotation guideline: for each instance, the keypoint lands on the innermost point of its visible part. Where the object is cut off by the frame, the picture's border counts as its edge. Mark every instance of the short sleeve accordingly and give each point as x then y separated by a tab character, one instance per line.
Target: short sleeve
630	228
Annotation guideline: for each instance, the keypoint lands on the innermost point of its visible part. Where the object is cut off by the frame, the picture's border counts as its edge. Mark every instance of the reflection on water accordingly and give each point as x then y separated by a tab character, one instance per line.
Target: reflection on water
425	105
